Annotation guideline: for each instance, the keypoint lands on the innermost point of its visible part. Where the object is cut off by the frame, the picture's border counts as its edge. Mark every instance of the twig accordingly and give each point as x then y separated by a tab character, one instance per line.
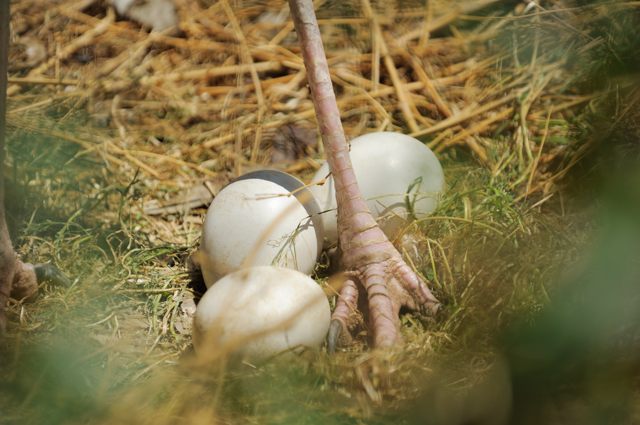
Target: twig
44	80
465	114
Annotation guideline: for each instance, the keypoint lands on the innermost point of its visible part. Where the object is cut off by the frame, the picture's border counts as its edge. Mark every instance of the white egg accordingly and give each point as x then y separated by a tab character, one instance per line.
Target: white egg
393	170
254	221
261	311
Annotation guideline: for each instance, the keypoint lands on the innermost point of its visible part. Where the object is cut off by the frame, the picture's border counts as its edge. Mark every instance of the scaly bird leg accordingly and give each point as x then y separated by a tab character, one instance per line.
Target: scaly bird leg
17	279
7	255
371	260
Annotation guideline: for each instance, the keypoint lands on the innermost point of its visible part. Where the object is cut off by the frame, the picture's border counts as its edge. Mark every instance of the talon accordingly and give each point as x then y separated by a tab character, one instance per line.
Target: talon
433	308
335	330
50	273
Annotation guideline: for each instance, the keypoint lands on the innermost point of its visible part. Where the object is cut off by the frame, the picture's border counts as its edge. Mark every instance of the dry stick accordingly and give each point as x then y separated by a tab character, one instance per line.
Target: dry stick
129	55
375	58
266	84
208	18
360	83
429	88
475	129
465	114
44	81
246	57
424	37
282	34
350	87
123	136
523	142
211	72
525	106
561	107
537	160
403	98
30	106
383	90
176	161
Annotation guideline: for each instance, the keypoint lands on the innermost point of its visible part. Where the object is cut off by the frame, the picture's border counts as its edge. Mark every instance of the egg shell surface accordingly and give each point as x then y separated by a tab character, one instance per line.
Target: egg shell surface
262	311
256	222
390	168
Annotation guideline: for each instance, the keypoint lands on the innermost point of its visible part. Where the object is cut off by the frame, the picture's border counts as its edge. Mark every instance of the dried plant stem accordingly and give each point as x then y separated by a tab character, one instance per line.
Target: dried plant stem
465	115
44	80
475	129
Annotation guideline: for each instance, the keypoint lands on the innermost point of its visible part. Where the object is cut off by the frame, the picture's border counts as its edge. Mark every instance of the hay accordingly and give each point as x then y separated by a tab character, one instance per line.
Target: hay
208	99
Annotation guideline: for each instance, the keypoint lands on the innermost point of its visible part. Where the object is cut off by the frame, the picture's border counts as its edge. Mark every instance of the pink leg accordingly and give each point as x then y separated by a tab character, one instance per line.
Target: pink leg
25	281
7	255
17	279
367	254
6	277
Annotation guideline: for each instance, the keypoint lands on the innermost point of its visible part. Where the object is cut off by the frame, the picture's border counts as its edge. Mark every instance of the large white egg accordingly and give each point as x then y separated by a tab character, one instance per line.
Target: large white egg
261	311
393	170
255	221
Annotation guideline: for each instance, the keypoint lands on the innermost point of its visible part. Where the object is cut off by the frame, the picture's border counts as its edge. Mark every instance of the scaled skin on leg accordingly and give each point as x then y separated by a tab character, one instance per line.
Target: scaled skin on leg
375	267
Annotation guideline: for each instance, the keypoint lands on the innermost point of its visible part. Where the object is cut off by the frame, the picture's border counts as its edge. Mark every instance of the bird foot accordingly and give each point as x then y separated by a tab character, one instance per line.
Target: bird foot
374	267
379	287
24	284
18	281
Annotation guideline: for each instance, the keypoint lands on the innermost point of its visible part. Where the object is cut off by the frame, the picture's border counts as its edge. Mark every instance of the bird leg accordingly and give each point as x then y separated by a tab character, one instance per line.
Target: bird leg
17	279
11	268
375	267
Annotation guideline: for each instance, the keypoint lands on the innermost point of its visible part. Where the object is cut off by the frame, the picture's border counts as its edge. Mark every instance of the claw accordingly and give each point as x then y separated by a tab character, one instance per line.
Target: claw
50	273
335	330
433	308
343	318
422	296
